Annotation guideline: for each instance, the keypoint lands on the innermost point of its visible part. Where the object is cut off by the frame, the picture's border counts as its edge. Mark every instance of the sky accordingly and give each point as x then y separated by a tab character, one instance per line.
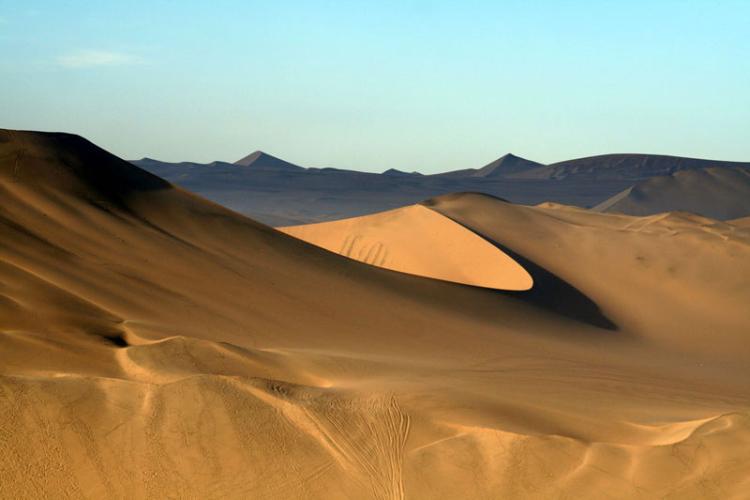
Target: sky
414	85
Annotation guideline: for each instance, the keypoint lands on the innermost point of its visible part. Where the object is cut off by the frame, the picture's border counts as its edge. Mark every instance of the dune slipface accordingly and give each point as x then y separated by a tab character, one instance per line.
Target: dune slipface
419	241
156	345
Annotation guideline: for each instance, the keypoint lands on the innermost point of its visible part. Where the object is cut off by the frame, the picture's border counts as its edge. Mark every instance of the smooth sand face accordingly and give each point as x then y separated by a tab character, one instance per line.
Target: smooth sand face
419	241
155	345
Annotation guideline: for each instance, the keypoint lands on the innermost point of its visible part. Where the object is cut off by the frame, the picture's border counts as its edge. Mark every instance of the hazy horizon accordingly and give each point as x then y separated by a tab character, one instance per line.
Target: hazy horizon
355	168
426	86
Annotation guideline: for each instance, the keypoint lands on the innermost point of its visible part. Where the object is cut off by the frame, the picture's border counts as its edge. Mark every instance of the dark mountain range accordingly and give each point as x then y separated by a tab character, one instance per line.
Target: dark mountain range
279	193
504	166
396	172
623	166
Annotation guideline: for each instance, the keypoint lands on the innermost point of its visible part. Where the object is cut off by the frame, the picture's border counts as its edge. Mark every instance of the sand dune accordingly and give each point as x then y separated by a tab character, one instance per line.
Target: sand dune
720	193
153	344
741	222
419	241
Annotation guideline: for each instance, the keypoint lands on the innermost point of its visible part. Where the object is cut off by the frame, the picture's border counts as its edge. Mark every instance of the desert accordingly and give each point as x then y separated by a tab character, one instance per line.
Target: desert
374	250
156	344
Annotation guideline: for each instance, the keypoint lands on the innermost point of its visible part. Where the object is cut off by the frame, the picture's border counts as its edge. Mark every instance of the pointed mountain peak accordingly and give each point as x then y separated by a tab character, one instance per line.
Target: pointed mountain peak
506	165
251	158
265	161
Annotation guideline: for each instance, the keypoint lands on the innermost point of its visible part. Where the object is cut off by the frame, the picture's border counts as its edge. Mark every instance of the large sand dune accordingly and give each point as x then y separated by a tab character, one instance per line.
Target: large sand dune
419	241
717	192
155	345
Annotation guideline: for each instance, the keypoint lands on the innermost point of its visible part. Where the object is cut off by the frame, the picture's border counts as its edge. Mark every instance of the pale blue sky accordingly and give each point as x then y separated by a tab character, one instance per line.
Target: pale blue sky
372	85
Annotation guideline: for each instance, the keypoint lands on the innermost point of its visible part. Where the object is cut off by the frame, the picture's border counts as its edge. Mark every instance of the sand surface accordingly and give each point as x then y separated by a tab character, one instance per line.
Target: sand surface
718	192
741	222
156	345
419	241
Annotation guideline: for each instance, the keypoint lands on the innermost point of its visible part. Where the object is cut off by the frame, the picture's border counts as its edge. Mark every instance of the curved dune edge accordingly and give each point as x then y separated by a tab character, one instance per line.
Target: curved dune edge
419	241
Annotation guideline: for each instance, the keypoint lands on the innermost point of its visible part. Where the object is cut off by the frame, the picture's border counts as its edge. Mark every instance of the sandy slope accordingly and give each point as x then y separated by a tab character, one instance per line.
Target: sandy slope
717	192
741	222
419	241
155	345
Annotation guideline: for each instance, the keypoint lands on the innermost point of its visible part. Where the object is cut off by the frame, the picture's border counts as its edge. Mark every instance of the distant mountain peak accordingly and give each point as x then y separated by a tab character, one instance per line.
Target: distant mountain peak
506	165
262	160
396	172
252	157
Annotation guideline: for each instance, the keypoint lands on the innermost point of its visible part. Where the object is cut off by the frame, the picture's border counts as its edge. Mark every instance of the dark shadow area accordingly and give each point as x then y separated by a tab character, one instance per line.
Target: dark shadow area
57	157
557	295
550	292
116	340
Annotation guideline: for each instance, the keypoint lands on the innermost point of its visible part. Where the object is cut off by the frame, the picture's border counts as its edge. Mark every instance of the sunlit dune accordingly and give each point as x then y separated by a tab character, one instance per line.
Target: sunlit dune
419	241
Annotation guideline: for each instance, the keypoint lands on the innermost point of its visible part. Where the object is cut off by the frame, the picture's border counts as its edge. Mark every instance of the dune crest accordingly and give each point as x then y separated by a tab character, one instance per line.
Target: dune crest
419	241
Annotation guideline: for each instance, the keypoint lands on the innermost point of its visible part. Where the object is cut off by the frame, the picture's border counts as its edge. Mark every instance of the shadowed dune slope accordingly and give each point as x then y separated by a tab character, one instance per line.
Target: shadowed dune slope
720	193
419	241
156	345
668	277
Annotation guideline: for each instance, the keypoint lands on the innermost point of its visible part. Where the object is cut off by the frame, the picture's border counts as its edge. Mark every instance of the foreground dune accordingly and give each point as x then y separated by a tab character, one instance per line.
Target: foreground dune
154	345
419	241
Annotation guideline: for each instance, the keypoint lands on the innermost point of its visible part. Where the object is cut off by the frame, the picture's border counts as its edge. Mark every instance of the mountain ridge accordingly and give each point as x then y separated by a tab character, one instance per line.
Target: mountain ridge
509	164
277	192
506	165
260	159
634	166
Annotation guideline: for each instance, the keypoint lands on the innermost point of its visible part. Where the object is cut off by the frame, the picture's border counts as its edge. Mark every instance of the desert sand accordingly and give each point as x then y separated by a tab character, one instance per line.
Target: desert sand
718	192
156	345
419	241
741	222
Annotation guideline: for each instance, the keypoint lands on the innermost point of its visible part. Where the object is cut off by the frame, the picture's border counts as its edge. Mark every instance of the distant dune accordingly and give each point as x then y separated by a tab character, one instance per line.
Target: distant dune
720	193
279	193
154	344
